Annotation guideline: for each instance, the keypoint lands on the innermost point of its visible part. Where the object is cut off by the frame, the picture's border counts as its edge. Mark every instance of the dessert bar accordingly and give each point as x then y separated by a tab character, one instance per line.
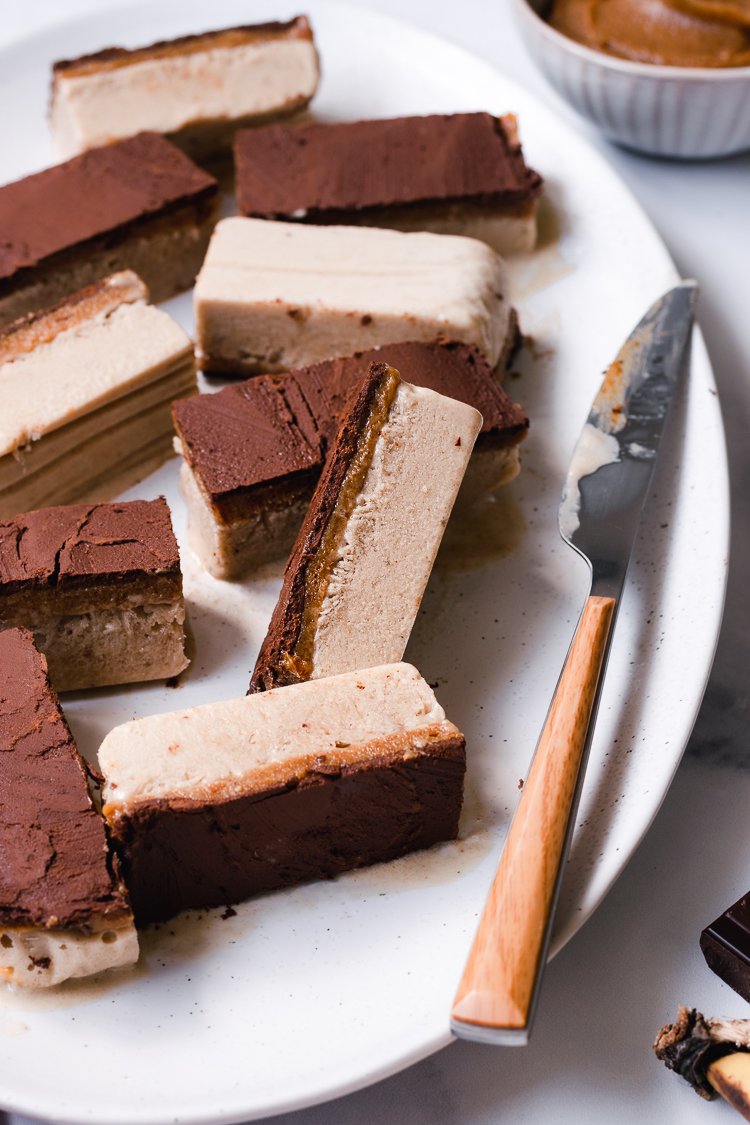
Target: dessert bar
198	89
64	910
100	587
139	204
274	296
216	803
458	174
253	452
87	388
364	553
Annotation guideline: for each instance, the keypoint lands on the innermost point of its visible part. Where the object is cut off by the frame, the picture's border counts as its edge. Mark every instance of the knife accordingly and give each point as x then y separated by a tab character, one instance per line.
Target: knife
605	488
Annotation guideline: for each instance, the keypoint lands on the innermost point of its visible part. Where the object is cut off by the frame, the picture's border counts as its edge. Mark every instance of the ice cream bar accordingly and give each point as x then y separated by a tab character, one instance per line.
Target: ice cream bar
216	803
363	556
64	910
275	296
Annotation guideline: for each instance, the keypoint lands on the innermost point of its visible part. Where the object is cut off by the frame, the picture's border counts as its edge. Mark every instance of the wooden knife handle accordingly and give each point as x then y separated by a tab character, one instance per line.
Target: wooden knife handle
498	981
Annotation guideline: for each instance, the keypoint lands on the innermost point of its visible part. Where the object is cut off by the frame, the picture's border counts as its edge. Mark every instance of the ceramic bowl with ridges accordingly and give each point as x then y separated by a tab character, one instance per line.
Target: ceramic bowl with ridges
682	112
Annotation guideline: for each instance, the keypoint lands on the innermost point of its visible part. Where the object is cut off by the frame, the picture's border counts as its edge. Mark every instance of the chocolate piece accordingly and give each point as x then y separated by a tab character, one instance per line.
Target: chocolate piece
138	204
447	174
273	296
363	556
303	784
197	89
254	452
101	588
726	946
87	388
59	883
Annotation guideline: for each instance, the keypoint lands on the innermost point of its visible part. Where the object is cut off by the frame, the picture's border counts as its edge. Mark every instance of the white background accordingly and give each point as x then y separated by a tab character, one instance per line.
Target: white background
623	975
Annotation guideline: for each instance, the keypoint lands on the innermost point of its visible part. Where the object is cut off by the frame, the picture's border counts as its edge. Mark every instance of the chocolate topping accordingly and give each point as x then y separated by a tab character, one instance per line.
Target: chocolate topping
84	544
180	853
276	664
251	440
95	197
309	171
55	867
111	57
449	367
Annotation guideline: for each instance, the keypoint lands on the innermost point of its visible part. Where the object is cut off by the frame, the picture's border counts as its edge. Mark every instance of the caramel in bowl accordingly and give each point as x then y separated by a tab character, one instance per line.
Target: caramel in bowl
665	77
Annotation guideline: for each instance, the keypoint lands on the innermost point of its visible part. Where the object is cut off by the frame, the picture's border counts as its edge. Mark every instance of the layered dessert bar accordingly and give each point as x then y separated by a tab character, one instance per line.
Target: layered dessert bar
253	452
139	204
87	388
216	803
275	296
197	90
364	553
457	174
100	588
64	910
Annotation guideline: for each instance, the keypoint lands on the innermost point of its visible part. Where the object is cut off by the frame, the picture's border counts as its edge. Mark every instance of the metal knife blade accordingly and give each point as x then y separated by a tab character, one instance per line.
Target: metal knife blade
605	489
613	462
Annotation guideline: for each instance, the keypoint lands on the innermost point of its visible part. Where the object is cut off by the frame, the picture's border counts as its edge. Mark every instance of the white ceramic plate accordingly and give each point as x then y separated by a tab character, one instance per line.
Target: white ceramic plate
314	992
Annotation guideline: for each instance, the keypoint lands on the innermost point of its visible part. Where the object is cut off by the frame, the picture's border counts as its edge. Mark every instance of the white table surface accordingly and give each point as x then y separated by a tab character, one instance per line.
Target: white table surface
623	975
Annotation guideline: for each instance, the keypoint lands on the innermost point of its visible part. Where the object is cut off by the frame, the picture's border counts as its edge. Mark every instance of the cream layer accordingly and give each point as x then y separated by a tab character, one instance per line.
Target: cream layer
167	93
221	749
391	538
84	367
36	958
274	296
120	448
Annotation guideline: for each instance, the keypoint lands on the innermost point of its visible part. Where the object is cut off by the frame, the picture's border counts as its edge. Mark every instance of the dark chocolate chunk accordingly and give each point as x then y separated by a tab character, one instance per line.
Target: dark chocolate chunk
56	869
726	946
343	171
182	853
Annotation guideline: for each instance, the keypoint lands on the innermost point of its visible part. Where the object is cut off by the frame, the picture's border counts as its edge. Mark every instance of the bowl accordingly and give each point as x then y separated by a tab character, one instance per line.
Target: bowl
683	112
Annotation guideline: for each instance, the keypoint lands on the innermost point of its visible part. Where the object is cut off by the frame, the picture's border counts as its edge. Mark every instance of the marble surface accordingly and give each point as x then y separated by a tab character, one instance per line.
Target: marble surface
623	975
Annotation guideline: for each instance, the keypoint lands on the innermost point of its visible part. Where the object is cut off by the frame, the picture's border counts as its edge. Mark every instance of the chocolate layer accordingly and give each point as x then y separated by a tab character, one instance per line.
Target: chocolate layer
449	367
112	57
68	558
277	664
338	172
183	853
96	201
254	444
55	866
726	946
